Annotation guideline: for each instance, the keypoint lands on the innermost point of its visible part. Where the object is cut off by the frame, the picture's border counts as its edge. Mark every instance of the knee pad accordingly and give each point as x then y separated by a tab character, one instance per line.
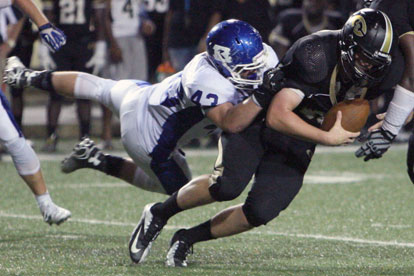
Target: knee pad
256	215
90	87
225	188
24	157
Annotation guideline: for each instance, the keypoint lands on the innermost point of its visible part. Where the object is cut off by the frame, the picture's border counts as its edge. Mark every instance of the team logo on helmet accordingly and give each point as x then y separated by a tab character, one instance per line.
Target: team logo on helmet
360	26
222	53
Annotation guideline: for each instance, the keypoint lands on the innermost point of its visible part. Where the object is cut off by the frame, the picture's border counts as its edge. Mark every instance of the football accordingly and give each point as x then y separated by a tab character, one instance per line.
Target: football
354	115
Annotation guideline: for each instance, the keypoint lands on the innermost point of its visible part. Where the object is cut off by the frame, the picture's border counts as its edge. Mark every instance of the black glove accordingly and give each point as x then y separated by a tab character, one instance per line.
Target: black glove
272	83
377	144
410	158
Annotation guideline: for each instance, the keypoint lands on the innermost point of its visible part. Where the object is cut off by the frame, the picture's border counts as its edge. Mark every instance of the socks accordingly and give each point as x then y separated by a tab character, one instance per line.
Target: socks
198	233
167	209
43	200
111	165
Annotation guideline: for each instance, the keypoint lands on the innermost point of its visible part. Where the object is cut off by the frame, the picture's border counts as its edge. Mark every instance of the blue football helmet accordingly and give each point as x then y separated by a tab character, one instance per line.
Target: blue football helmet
237	51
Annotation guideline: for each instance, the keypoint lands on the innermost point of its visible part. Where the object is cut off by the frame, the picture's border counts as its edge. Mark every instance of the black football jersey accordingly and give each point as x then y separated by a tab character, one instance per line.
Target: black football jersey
73	17
400	12
312	67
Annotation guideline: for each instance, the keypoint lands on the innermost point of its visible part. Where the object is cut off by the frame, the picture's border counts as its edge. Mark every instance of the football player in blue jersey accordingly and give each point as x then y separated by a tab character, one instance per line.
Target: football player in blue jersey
11	136
214	89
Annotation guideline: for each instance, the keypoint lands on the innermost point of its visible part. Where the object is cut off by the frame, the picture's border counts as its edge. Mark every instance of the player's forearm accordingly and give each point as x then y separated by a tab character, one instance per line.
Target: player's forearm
30	8
289	123
240	116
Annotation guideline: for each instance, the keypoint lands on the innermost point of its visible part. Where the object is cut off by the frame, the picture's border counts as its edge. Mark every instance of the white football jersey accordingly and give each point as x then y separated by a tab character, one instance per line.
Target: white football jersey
177	104
5	3
125	16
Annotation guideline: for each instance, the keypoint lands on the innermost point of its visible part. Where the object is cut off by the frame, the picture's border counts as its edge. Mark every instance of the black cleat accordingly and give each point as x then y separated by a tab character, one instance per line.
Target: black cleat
147	230
84	155
17	75
178	251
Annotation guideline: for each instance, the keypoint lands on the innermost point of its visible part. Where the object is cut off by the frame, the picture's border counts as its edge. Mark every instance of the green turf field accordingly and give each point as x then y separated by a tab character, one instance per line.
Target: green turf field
350	218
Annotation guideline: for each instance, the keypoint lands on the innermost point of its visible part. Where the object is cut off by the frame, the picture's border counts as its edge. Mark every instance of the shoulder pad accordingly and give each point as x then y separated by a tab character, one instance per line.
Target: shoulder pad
309	59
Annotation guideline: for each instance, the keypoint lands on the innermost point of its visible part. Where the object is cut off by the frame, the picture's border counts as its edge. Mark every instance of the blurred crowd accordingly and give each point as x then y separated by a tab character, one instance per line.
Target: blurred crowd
149	40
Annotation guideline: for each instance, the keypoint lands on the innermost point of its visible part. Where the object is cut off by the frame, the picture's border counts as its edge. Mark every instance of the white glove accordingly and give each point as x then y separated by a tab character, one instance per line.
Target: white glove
97	61
52	37
45	58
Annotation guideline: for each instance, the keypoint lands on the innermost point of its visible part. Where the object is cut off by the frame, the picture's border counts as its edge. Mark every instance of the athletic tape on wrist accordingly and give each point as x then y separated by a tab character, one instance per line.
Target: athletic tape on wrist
398	110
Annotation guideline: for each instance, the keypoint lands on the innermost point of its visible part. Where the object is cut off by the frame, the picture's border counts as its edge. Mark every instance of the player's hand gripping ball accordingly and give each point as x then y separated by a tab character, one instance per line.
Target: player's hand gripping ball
354	115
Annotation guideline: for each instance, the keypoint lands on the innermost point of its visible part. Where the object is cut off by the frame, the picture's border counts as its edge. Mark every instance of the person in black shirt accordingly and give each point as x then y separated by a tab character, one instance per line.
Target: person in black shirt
85	51
401	14
187	24
296	23
255	12
317	71
156	10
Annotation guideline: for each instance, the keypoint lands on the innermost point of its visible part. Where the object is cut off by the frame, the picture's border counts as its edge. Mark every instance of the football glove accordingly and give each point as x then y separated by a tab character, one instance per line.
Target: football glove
45	58
377	144
52	37
410	158
97	61
272	83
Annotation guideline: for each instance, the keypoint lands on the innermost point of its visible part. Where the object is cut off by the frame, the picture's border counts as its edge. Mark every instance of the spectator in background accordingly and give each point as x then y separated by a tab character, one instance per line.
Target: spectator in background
296	23
85	51
186	26
156	11
278	6
255	12
125	26
346	7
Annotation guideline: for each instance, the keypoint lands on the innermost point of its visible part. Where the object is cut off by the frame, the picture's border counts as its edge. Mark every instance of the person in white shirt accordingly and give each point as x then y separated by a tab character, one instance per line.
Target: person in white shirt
11	137
125	28
215	89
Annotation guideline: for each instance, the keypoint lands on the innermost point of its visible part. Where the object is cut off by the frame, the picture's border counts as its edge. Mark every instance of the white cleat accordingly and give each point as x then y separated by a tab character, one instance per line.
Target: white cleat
54	214
16	74
144	234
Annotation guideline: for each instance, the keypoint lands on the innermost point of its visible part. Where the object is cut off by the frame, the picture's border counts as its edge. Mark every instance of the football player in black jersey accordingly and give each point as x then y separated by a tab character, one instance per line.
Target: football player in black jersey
401	14
85	52
318	71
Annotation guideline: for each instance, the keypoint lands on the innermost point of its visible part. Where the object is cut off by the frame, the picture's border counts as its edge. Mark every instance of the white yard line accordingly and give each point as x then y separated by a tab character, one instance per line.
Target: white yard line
212	152
254	232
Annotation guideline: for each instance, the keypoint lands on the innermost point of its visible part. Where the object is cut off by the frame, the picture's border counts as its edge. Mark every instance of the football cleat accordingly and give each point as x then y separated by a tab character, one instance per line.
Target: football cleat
147	230
178	251
84	155
54	214
17	75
